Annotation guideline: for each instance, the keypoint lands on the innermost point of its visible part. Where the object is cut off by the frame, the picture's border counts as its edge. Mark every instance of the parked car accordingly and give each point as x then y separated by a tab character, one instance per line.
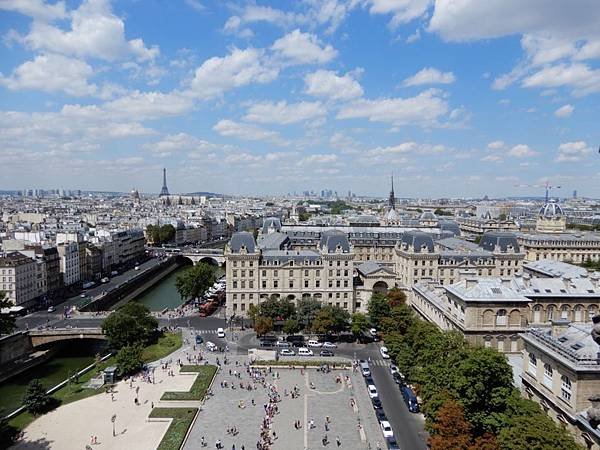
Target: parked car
392	444
369	380
398	379
394	369
384	353
328	344
410	399
210	346
282	344
364	369
372	391
286	352
303	351
326	353
105	280
51	309
314	343
376	403
292	338
386	428
380	415
137	267
220	332
199	339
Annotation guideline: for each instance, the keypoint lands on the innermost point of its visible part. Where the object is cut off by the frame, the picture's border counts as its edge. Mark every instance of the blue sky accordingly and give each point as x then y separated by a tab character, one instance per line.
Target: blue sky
457	97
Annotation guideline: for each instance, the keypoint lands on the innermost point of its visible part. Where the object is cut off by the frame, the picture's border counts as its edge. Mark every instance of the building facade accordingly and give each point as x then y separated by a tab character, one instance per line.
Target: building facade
19	278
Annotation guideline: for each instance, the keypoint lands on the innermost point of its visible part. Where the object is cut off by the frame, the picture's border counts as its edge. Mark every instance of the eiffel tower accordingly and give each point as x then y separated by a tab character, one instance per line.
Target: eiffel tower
164	192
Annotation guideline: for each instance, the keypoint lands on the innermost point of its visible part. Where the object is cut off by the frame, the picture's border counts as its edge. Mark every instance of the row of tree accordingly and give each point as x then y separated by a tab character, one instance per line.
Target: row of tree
467	393
194	281
160	234
311	315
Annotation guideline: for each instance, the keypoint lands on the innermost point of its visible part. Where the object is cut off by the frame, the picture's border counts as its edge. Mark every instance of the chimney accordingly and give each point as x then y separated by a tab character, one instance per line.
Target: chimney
559	326
470	282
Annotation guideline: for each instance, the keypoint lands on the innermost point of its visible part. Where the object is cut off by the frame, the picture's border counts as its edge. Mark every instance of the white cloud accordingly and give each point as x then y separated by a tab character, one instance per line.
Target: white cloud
407	148
424	109
149	105
521	151
302	48
325	83
247	132
580	77
181	142
496	145
564	111
37	9
95	32
492	158
256	13
573	151
196	5
240	68
403	11
319	159
283	113
429	75
52	73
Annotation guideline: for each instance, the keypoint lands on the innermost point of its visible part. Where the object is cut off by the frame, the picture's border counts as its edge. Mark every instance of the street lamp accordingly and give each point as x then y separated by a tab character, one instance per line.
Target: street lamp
113	419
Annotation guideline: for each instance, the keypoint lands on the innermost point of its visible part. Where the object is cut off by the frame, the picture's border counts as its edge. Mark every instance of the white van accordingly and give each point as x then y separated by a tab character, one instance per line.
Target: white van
364	369
314	343
220	332
211	347
303	351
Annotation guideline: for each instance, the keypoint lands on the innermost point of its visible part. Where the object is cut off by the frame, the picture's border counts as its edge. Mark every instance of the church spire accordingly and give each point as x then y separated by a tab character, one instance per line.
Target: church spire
392	199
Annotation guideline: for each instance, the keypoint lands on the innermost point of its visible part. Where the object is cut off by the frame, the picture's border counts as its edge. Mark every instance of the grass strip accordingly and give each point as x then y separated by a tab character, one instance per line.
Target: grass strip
182	420
166	344
198	389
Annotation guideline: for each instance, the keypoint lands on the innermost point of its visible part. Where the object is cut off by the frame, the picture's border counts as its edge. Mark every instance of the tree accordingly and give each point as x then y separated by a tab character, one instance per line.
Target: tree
378	309
359	323
160	234
399	319
35	399
483	383
330	319
450	430
193	282
129	325
129	360
486	442
262	325
307	310
277	309
7	322
253	312
291	326
396	297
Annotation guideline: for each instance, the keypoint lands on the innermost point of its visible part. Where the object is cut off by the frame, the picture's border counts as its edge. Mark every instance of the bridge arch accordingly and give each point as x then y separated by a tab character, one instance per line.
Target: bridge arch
210	260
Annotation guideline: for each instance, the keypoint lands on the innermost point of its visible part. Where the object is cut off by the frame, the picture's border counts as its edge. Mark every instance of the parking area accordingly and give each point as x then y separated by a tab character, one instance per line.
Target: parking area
310	406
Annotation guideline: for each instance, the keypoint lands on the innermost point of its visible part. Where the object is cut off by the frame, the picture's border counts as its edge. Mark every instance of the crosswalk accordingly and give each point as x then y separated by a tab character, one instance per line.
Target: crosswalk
379	362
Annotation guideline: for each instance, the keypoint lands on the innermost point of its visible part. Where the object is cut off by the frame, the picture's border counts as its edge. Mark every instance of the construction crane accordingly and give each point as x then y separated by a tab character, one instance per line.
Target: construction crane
547	186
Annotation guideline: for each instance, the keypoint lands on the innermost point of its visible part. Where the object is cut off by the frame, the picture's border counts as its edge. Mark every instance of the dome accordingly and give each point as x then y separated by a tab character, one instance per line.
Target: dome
428	215
551	209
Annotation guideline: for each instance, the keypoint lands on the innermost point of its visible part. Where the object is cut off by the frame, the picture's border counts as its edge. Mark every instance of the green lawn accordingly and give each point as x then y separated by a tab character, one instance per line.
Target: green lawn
182	420
167	344
72	392
198	389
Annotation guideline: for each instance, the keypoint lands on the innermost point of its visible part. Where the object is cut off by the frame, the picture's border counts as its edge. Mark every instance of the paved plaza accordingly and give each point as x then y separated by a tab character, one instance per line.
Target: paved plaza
318	396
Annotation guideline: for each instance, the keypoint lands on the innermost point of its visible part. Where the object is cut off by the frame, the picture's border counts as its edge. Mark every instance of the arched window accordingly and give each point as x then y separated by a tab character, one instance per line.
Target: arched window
592	311
578	313
550	313
532	368
548	372
488	317
537	313
501	317
565	388
564	312
514	319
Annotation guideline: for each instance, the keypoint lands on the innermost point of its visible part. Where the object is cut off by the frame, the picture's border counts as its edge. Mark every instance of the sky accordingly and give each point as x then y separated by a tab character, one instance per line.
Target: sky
456	98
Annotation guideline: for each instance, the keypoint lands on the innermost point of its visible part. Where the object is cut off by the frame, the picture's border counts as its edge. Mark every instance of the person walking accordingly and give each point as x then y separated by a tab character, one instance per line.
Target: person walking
338	441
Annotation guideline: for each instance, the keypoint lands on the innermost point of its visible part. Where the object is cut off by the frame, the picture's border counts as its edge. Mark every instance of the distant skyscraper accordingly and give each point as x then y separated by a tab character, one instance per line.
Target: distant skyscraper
165	190
574	194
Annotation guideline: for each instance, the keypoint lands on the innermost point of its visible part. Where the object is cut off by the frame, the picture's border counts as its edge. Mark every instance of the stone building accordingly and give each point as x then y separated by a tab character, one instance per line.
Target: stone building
255	272
568	247
561	371
489	312
18	278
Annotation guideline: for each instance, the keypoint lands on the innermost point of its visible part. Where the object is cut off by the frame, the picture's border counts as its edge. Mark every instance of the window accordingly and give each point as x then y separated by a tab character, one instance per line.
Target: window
264	284
318	283
251	273
550	312
306	273
501	317
275	273
275	284
318	273
565	388
548	376
305	283
532	368
235	284
291	284
235	273
564	312
264	273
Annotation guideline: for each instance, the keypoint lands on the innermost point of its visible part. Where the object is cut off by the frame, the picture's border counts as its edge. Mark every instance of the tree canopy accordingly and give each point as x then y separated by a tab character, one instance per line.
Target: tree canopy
7	322
194	281
160	234
35	399
378	308
129	360
131	324
330	319
262	325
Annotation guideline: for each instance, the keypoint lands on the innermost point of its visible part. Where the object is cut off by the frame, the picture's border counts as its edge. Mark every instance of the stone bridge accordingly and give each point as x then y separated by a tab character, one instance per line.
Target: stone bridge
208	255
50	335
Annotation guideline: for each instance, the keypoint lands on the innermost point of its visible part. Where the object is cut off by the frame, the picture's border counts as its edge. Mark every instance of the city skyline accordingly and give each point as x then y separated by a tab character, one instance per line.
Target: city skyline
250	98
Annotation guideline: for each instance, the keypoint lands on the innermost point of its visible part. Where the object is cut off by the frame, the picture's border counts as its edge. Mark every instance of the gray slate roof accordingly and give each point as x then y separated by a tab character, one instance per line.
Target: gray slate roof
551	268
242	239
369	267
418	241
330	240
491	239
285	256
273	241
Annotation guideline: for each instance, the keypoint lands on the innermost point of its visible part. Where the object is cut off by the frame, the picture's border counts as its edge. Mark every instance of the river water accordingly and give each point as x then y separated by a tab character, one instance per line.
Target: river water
163	294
